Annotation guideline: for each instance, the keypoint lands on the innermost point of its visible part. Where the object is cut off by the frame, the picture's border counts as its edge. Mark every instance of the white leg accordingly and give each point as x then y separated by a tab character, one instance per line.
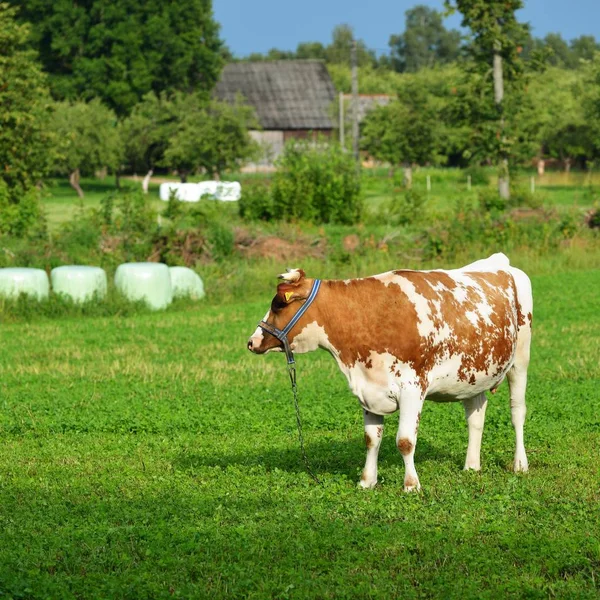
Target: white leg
373	435
517	379
475	414
406	439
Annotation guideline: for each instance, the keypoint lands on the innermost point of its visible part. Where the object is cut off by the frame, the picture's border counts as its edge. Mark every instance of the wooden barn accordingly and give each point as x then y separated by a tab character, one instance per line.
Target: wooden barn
292	99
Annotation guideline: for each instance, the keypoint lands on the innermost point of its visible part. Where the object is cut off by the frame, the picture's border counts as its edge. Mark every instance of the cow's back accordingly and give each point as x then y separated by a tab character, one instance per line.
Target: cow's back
452	333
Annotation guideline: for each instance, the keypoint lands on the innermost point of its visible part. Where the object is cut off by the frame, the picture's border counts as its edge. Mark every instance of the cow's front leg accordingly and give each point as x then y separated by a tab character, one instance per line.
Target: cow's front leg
475	414
410	404
373	435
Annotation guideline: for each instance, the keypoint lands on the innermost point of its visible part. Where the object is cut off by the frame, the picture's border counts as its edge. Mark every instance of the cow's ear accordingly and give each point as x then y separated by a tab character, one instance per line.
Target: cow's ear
292	275
288	292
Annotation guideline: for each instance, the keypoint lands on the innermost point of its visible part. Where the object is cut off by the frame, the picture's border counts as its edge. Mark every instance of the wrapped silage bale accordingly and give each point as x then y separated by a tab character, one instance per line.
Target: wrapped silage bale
186	283
19	280
229	191
184	192
79	282
150	282
207	188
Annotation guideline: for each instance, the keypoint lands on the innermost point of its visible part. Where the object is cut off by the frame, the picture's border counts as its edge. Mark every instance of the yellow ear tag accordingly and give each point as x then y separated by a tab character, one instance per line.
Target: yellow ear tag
288	295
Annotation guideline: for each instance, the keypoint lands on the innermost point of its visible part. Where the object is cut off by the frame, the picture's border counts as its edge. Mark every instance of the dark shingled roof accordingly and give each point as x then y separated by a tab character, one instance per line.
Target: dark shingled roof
287	94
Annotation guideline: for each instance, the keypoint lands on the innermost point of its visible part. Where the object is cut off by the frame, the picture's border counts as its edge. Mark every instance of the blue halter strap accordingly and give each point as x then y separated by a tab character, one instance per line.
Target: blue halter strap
281	334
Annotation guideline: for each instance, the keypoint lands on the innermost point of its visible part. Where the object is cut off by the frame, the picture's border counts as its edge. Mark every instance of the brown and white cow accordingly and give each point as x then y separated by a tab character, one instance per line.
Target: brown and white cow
405	336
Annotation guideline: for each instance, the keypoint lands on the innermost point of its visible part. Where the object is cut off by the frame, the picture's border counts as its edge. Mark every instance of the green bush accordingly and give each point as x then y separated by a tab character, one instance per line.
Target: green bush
521	196
256	203
23	218
318	183
490	201
479	175
405	208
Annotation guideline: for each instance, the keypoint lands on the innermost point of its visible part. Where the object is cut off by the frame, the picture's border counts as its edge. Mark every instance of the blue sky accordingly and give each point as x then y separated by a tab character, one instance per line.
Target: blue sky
258	25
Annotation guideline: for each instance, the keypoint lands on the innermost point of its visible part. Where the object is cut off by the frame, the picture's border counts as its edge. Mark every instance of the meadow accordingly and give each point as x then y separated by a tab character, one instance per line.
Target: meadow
152	456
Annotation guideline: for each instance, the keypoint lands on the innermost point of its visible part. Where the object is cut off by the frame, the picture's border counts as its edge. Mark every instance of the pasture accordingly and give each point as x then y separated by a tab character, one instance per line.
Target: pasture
152	456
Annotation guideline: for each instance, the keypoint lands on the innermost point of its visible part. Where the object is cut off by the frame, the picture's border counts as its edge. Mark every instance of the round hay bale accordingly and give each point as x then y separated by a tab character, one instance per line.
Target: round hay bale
78	282
17	280
186	283
150	282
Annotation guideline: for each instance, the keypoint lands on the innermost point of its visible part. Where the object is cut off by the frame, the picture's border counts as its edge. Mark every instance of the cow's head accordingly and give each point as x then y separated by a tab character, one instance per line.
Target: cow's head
290	295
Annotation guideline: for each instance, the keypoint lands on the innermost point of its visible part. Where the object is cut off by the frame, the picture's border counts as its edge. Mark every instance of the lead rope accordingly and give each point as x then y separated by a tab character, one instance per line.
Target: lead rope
292	372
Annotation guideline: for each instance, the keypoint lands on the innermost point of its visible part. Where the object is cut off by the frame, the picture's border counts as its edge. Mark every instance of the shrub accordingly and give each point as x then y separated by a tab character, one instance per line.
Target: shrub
22	218
405	208
318	183
256	203
521	196
490	201
479	175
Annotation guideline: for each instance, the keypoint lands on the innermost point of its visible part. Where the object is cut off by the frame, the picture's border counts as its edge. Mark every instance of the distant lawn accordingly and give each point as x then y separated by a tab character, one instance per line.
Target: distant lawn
448	186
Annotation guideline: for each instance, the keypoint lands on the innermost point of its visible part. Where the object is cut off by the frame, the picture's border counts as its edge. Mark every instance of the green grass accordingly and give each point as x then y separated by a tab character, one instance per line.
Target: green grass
448	186
154	457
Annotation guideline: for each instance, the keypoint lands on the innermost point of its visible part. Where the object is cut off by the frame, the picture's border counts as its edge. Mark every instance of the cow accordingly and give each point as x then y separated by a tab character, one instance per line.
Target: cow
405	336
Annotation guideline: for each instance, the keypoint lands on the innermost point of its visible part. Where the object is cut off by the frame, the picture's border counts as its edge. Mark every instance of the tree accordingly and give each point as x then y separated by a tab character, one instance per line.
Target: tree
560	53
121	50
425	41
404	132
26	139
584	48
212	136
145	134
89	140
590	94
338	52
497	40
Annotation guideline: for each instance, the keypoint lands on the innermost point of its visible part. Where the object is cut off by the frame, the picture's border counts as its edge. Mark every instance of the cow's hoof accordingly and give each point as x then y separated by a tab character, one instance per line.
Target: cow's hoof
367	484
520	465
412	485
472	467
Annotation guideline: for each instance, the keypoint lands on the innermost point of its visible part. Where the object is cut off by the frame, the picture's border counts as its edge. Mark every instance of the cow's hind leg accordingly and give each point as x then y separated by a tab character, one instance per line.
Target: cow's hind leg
373	435
517	380
475	414
411	405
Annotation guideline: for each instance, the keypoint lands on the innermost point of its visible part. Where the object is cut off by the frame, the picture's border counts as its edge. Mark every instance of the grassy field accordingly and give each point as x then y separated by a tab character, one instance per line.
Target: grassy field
154	457
447	187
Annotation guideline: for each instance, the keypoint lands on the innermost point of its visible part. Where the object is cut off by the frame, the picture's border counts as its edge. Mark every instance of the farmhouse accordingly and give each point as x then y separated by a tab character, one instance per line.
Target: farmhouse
292	99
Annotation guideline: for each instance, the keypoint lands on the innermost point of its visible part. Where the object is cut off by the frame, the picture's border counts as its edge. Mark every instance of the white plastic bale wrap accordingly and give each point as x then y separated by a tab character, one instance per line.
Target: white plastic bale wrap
17	280
78	282
186	283
226	191
229	191
185	192
150	282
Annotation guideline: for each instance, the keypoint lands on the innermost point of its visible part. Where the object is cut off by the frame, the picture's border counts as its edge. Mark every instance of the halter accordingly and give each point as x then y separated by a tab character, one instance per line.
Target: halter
281	334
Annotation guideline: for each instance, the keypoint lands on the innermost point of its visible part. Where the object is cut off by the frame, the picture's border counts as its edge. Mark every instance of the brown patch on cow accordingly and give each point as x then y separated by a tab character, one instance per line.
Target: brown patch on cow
379	430
368	441
410	481
530	318
405	446
363	476
472	380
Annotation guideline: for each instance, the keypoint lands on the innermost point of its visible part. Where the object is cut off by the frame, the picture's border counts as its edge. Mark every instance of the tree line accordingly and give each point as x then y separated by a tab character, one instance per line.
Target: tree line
426	43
